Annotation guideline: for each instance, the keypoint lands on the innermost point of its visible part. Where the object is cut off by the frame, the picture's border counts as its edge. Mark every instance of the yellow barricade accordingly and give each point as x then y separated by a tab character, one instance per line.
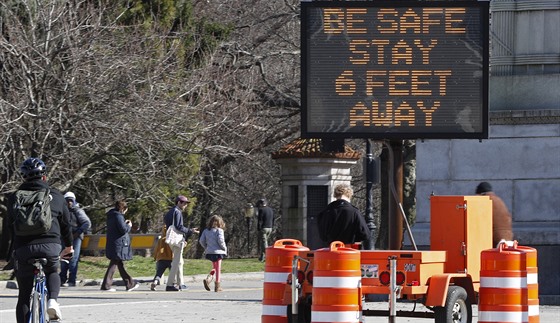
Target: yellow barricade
97	242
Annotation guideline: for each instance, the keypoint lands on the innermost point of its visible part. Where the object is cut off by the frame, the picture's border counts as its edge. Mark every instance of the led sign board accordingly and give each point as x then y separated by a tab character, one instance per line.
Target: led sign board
394	69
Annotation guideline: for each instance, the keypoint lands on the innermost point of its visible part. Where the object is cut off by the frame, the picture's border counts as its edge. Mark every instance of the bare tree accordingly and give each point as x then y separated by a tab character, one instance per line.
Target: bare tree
100	95
145	100
254	82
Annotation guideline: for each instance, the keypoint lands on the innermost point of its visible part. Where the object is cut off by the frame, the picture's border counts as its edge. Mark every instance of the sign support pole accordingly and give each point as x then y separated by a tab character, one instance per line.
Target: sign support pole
371	175
395	218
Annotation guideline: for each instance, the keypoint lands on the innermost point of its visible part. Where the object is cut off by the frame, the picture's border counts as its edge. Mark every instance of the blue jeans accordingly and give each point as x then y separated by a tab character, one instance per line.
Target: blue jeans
69	270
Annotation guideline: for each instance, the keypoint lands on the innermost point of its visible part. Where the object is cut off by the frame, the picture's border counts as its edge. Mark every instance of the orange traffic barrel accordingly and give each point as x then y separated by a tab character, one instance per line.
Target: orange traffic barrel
278	265
503	285
336	285
532	283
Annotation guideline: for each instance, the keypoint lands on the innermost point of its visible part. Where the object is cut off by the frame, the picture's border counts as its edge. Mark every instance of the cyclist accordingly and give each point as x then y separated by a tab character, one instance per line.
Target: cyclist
46	245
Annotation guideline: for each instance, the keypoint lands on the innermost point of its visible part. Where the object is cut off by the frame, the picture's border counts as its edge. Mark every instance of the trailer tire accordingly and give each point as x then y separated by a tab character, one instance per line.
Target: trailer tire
304	313
457	307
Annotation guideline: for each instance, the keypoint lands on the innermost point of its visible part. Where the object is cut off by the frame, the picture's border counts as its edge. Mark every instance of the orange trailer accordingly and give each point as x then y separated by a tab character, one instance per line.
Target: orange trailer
446	278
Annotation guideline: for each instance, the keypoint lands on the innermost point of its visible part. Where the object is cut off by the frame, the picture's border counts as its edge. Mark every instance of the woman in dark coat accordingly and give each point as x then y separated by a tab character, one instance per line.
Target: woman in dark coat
118	247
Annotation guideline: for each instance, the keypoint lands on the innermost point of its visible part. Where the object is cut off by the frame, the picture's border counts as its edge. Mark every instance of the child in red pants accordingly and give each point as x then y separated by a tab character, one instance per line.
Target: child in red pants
214	244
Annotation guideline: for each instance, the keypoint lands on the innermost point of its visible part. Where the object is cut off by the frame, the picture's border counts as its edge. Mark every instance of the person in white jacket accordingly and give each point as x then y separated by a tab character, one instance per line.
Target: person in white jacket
214	244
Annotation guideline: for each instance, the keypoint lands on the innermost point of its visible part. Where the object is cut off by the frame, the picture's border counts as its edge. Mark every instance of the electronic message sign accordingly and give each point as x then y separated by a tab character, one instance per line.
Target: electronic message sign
394	69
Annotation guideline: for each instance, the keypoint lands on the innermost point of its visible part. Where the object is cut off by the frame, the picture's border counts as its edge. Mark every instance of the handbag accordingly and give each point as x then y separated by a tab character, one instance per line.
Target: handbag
162	251
174	237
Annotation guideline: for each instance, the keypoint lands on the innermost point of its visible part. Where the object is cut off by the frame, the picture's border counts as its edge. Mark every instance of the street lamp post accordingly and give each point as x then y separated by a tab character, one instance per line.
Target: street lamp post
249	213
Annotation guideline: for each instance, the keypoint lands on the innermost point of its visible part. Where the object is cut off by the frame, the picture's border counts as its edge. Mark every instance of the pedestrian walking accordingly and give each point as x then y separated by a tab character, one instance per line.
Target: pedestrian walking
80	223
163	256
265	223
213	241
341	221
175	217
501	217
41	241
118	248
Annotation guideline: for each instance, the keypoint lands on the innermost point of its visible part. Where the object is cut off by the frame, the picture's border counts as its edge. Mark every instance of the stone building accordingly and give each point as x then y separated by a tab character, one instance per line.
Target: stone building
310	170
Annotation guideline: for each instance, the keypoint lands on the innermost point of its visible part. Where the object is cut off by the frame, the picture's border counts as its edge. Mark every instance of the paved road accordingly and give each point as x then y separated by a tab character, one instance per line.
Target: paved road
239	303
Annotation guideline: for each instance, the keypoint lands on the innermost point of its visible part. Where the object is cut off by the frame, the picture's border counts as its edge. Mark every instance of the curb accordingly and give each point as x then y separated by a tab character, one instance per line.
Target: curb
12	284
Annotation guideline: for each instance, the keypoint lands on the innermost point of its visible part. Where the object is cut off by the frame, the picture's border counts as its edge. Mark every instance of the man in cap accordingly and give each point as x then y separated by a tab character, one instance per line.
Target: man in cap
174	217
501	217
80	223
265	223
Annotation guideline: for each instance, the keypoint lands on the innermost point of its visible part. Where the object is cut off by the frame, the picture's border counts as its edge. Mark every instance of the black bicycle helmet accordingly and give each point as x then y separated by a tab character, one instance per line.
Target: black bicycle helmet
32	168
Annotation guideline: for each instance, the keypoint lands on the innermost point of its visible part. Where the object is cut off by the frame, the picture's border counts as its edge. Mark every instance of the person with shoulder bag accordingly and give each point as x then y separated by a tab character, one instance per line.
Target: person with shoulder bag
173	219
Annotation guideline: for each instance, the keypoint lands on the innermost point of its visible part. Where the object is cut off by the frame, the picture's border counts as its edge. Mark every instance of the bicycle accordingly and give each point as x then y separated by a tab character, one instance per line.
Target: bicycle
38	298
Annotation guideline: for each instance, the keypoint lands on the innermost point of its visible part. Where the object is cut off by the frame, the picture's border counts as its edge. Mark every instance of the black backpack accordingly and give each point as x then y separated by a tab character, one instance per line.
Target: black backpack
32	212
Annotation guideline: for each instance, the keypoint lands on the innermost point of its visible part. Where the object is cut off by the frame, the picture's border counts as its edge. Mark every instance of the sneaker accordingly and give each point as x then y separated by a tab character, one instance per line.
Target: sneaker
65	285
153	286
171	289
183	287
109	290
53	310
136	285
71	285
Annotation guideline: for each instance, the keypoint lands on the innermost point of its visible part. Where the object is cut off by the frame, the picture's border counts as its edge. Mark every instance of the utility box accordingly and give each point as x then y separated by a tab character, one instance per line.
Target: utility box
461	226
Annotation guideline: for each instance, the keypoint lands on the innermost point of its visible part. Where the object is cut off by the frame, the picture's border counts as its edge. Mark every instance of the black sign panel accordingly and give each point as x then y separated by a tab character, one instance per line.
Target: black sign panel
395	69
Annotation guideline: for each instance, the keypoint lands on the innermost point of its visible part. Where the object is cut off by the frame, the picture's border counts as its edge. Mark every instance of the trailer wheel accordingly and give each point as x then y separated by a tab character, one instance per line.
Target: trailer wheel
304	313
457	307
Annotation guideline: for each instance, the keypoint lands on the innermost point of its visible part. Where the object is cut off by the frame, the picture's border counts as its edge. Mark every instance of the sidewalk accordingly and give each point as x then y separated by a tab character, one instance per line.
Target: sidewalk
253	276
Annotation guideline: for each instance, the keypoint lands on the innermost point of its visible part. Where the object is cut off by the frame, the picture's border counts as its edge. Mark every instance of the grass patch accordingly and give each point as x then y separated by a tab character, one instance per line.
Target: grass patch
95	267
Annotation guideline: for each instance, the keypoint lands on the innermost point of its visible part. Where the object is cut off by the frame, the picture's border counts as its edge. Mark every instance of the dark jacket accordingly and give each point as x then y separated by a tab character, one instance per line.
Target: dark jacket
118	240
341	221
175	216
265	218
60	228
